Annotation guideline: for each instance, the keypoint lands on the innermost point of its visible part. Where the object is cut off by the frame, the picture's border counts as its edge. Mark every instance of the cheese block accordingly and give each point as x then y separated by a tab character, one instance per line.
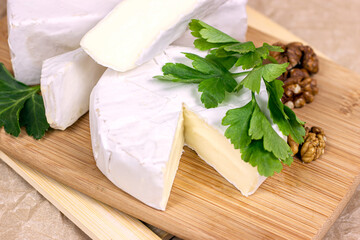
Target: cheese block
139	125
39	30
66	83
137	30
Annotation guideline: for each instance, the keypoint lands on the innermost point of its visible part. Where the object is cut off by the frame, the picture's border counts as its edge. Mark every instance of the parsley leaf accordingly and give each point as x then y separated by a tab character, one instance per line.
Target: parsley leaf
250	131
283	116
260	128
32	116
255	154
227	62
254	57
213	92
241	47
268	72
208	36
210	72
21	104
178	72
238	120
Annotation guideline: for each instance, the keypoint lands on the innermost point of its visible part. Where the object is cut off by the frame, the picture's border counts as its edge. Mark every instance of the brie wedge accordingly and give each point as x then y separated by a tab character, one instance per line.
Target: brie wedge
66	84
39	30
137	30
139	124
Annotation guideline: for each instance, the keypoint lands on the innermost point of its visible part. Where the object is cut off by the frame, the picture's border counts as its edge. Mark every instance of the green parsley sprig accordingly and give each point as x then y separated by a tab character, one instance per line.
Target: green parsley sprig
21	105
248	128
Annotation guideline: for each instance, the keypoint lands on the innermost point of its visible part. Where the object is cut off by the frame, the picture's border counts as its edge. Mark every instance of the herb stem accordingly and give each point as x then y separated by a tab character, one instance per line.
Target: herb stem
272	59
240	74
37	88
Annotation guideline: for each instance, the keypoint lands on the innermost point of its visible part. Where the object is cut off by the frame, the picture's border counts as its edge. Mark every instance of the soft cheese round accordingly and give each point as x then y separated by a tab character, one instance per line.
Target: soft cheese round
135	121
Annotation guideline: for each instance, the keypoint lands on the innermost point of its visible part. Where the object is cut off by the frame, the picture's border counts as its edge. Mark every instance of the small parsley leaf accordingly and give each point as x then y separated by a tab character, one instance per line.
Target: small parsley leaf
250	131
213	92
283	116
227	62
255	154
208	36
272	48
272	71
238	120
253	80
178	72
249	60
20	104
268	72
241	47
211	73
260	128
32	116
254	57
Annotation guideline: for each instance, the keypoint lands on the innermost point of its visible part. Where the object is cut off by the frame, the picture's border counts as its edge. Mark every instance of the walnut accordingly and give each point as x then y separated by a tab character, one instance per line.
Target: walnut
299	86
299	72
294	146
299	101
310	61
294	52
299	90
298	55
280	57
313	146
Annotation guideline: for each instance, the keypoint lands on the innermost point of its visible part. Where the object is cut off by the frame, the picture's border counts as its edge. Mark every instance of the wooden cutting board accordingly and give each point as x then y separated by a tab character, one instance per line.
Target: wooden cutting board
299	203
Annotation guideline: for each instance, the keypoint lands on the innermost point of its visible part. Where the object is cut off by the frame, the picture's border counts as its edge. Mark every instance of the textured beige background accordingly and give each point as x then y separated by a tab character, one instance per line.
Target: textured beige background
330	26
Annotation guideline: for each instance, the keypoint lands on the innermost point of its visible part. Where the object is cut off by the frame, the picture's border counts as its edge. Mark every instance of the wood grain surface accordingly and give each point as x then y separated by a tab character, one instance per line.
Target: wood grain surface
299	203
97	220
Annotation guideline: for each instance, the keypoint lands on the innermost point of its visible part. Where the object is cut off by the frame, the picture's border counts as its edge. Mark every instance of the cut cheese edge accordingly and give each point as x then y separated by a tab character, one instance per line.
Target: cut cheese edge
137	131
212	146
66	83
137	30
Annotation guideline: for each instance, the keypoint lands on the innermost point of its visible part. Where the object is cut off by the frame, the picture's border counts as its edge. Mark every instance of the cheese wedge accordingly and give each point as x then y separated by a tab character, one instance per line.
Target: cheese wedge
66	83
40	29
137	30
139	124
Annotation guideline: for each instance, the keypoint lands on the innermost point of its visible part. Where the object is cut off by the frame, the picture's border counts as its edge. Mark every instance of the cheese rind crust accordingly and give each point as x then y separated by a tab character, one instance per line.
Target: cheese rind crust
40	29
66	83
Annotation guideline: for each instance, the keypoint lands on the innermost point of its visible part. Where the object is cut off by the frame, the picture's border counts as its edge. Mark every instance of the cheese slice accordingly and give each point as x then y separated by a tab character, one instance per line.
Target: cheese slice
137	30
40	29
138	126
66	83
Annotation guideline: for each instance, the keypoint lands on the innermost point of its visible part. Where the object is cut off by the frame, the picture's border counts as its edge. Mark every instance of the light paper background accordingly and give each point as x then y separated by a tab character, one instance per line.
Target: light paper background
333	27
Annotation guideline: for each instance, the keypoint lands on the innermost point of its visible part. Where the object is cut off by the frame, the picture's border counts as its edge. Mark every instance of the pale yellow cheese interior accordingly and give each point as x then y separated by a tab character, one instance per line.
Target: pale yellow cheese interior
217	151
173	163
